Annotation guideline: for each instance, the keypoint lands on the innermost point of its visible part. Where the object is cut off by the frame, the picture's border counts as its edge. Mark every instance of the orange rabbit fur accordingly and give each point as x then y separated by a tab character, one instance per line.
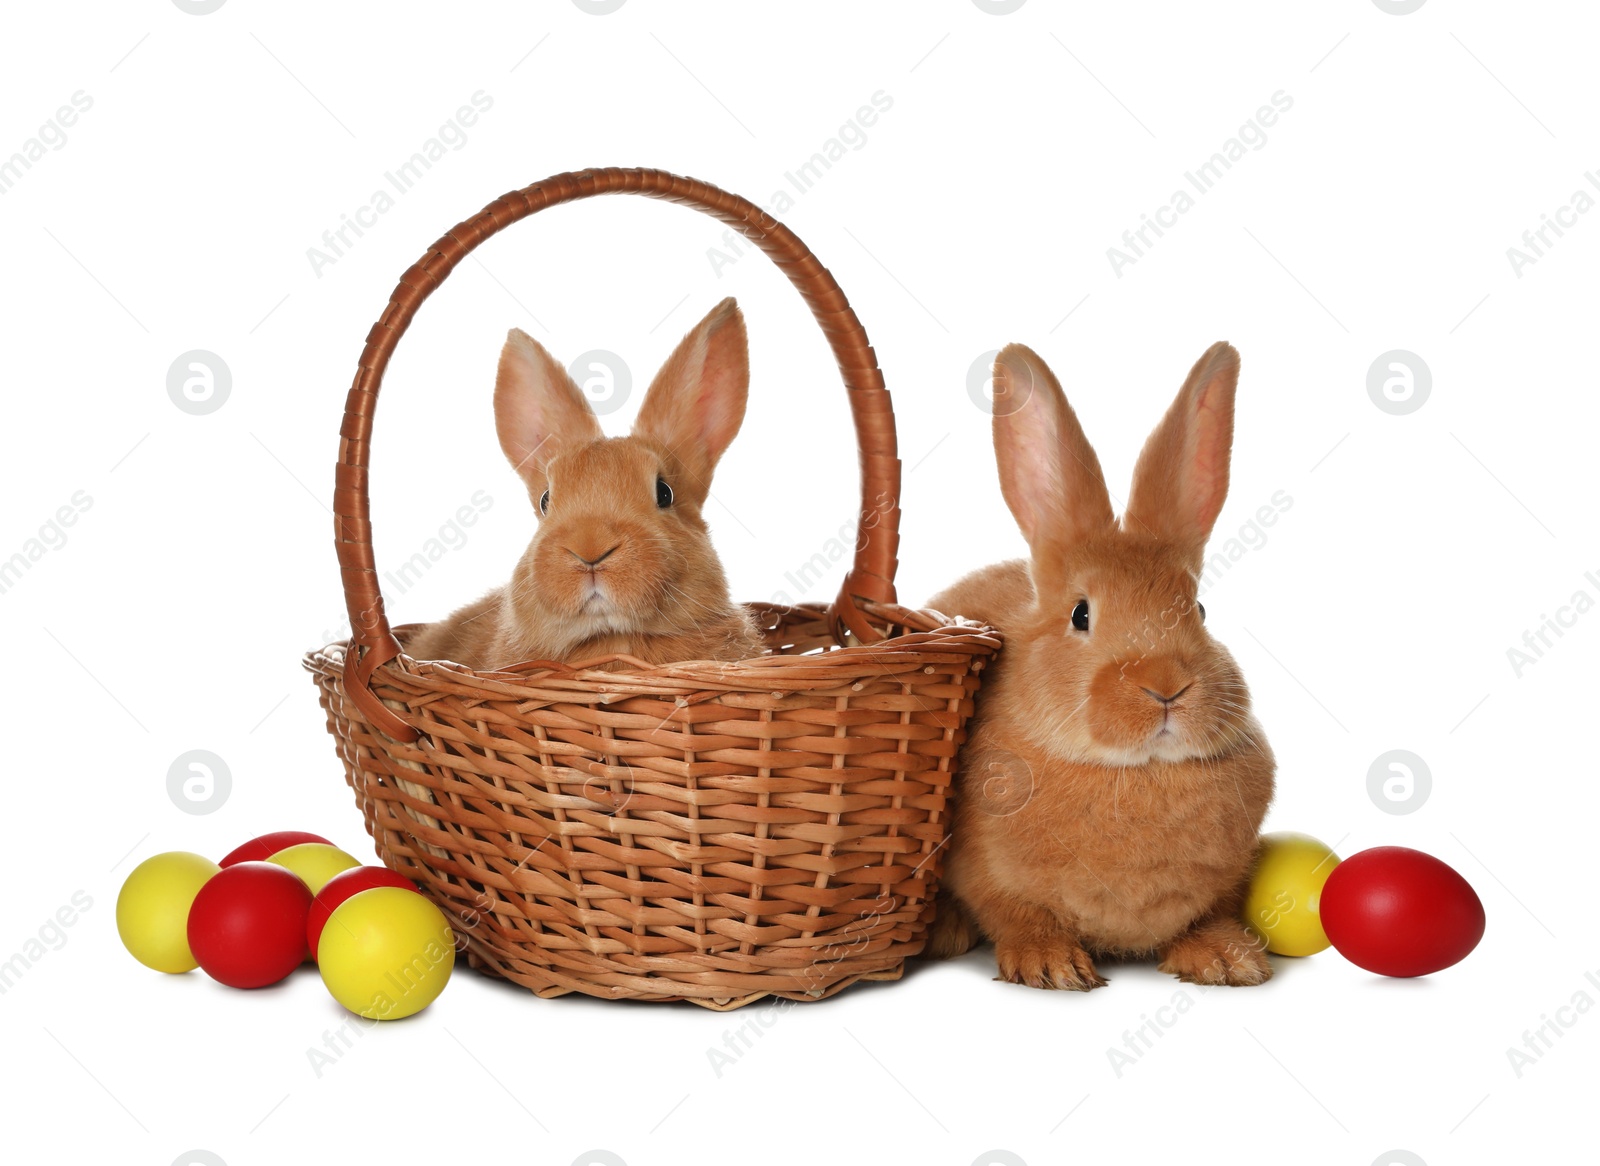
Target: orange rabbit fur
1115	780
622	561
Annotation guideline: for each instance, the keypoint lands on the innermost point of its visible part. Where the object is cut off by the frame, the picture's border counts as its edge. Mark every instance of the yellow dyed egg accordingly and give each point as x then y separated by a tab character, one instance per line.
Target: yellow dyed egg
153	909
1283	905
386	953
314	862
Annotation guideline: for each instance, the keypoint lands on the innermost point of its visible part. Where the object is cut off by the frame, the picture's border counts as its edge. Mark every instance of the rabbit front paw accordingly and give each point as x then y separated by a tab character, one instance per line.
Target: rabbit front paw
952	933
1049	962
1221	952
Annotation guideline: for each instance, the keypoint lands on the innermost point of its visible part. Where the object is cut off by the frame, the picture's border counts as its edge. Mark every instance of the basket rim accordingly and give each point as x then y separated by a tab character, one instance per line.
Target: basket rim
936	634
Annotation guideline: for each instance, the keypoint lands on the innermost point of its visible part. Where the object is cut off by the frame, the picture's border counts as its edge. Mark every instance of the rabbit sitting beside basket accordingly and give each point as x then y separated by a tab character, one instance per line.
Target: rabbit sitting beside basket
1114	781
622	562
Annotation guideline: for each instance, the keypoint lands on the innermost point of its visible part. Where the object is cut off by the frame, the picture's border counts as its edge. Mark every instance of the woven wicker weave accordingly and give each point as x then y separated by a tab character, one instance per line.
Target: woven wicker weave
716	832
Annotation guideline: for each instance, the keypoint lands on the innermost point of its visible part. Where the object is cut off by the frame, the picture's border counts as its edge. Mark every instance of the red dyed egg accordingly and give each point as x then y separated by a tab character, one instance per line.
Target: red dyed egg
263	848
247	927
1400	912
339	888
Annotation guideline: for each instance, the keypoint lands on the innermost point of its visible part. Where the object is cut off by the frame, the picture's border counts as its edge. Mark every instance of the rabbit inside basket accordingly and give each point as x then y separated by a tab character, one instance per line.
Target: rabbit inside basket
622	562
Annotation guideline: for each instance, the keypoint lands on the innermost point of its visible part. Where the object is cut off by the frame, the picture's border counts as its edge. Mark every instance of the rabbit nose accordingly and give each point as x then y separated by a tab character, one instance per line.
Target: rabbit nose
1162	678
591	564
1165	700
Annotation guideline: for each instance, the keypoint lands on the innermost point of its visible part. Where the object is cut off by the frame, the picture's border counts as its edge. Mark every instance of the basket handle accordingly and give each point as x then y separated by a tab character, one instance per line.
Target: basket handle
870	578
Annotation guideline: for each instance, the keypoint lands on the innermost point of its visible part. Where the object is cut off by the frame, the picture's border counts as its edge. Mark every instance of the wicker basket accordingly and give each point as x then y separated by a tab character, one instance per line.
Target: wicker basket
716	832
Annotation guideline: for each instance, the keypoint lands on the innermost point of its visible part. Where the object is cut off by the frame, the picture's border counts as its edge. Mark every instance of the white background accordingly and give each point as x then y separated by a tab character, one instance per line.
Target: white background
1377	614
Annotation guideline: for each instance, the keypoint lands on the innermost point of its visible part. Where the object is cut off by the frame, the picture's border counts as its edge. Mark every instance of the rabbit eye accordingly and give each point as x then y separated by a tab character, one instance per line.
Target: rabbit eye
544	502
1202	608
663	493
1080	615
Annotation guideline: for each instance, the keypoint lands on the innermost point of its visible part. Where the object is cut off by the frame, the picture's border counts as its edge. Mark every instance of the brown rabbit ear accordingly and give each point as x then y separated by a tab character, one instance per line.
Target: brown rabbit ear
1181	478
1049	473
538	409
696	403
